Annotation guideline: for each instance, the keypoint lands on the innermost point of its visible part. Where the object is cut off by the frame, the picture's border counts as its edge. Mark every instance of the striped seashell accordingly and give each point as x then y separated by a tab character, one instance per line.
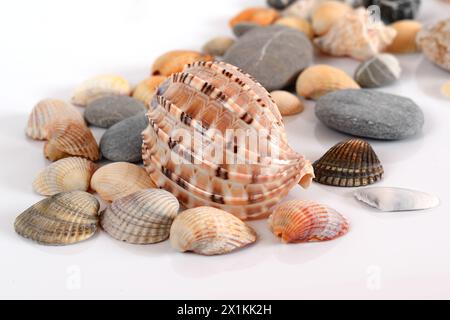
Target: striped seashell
351	163
379	71
327	14
145	90
174	61
205	101
209	231
70	174
68	138
120	179
144	217
99	87
46	113
299	221
434	40
63	219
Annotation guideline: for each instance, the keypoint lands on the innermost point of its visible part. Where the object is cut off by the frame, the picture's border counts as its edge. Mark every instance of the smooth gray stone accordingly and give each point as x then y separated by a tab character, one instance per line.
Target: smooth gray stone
107	111
370	114
123	141
242	28
378	71
280	4
274	55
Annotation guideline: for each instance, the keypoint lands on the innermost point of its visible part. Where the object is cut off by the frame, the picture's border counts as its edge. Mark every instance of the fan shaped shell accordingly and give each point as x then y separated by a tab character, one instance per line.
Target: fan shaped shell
99	87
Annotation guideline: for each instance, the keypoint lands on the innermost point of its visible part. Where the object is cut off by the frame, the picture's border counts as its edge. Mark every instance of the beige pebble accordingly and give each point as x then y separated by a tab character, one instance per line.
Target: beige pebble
288	103
174	61
218	46
302	25
405	41
446	89
261	16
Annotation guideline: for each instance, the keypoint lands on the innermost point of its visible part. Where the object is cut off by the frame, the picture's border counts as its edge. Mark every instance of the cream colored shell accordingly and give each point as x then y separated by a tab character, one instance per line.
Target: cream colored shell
288	103
299	24
174	61
327	14
146	89
98	87
405	41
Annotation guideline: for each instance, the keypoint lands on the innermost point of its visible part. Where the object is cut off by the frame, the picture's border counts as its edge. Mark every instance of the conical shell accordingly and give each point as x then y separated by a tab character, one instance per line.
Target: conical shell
70	174
405	41
145	90
71	139
319	80
327	14
209	231
46	113
261	16
99	87
174	61
62	219
307	221
287	103
144	217
216	104
120	179
351	163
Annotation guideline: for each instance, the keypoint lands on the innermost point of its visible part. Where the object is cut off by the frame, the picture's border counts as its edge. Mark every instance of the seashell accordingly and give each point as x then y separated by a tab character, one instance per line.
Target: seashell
301	25
209	231
446	89
218	46
379	71
435	43
174	61
319	80
63	219
145	90
261	16
70	174
405	41
299	221
214	102
352	163
99	87
70	139
357	36
46	113
327	14
120	179
144	217
287	103
397	199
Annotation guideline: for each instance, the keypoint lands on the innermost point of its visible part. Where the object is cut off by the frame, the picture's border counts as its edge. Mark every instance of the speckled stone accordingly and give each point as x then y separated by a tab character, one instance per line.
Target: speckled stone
242	28
106	112
394	10
280	4
370	114
379	71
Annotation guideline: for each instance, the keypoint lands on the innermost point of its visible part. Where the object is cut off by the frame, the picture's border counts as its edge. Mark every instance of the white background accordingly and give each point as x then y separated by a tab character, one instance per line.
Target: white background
48	47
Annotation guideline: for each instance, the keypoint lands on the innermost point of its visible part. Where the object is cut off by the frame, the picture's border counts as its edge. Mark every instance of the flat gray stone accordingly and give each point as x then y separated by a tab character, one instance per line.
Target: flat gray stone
370	114
378	71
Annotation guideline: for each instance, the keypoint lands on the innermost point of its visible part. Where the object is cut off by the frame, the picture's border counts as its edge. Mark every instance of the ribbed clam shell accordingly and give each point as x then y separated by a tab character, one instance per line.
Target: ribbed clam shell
144	217
174	61
351	163
46	113
209	231
381	70
307	221
62	219
120	179
70	174
99	87
216	95
145	90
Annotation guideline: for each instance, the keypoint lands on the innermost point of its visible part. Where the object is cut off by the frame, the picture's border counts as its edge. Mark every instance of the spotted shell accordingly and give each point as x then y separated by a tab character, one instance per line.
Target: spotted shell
209	231
328	13
144	217
261	16
145	90
99	87
174	61
307	221
62	219
351	163
434	41
120	179
46	113
215	103
70	174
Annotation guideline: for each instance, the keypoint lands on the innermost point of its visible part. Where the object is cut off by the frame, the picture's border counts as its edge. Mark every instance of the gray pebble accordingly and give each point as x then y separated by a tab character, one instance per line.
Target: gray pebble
378	71
280	4
242	28
218	46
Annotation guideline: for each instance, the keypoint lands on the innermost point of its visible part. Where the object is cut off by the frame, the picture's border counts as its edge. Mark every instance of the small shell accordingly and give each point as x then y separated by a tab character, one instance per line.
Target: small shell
301	25
120	179
62	219
446	89
327	14
306	221
145	90
379	71
144	217
351	163
242	28
287	103
209	231
435	43
71	139
46	113
405	41
174	61
99	87
319	80
70	174
218	46
261	16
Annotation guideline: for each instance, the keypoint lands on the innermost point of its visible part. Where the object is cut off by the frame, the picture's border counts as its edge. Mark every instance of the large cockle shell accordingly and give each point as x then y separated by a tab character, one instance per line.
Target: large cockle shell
174	61
397	199
405	40
435	43
145	90
261	16
217	104
299	221
357	36
351	163
120	179
144	217
46	113
62	219
70	174
99	87
209	231
328	13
